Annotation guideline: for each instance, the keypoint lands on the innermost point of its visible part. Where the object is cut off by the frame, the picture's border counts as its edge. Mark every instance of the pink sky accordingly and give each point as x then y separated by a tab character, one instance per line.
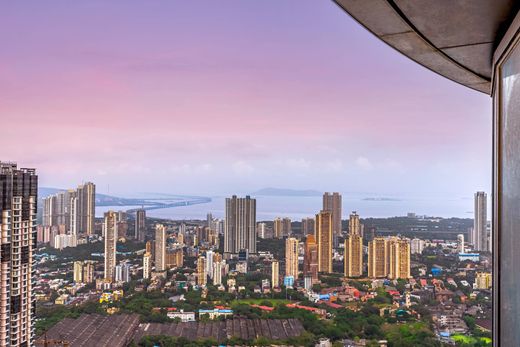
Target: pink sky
214	97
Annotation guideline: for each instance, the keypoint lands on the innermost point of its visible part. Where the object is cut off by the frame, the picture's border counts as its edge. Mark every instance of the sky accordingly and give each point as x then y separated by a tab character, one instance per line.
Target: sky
220	97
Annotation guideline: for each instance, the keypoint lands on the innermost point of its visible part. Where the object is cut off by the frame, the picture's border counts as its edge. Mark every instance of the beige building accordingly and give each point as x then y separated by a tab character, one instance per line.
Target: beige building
160	248
398	251
277	228
353	257
332	203
201	271
275	274
483	280
377	258
310	259
291	257
110	228
324	241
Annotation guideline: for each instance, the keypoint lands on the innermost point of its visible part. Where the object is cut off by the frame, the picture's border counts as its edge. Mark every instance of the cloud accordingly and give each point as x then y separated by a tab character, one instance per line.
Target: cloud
242	168
364	163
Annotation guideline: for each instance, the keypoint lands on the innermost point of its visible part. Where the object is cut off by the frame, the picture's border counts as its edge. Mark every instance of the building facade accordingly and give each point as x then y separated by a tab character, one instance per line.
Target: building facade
160	248
110	231
480	234
291	257
240	225
140	225
324	239
310	259
332	202
377	258
18	200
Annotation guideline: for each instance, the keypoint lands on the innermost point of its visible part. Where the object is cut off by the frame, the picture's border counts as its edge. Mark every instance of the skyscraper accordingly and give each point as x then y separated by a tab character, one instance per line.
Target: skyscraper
377	258
277	228
147	261
398	251
262	230
291	257
201	271
324	240
217	272
110	228
160	248
310	259
286	227
18	199
353	257
480	240
86	207
460	243
275	274
209	263
240	228
140	225
332	203
72	210
308	226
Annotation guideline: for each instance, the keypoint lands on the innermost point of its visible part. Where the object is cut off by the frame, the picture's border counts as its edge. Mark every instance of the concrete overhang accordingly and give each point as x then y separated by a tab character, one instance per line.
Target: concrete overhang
455	38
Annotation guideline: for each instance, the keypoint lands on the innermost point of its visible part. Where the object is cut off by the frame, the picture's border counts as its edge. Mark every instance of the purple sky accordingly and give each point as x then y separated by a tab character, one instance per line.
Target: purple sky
214	97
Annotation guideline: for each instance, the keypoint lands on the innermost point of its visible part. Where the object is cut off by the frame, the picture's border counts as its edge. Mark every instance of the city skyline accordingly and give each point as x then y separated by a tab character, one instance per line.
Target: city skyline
276	121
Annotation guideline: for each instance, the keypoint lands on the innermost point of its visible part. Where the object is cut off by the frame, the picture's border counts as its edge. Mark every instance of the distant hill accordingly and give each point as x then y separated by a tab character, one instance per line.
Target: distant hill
286	192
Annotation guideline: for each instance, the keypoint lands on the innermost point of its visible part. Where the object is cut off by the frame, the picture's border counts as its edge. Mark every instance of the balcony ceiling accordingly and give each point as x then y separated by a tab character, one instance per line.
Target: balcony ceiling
455	38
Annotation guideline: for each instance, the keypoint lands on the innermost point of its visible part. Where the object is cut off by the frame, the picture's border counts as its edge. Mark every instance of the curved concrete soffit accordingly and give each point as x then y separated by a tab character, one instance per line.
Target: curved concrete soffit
468	61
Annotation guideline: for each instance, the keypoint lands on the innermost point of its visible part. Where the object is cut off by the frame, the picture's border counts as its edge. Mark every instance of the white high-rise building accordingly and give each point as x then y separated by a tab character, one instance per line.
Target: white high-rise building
460	244
417	246
262	230
209	263
480	232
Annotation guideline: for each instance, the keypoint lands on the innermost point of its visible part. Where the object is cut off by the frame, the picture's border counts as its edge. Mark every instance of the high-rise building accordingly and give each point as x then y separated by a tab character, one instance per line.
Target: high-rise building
217	273
277	228
201	271
160	248
460	244
110	228
147	261
262	230
86	207
417	246
310	259
377	258
18	200
399	258
73	210
480	240
332	203
240	227
482	280
174	257
353	257
286	227
275	274
209	263
140	225
78	272
291	257
324	241
308	226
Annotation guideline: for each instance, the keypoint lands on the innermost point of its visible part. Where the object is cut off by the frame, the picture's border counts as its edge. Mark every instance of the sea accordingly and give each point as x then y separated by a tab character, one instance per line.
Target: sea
298	207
